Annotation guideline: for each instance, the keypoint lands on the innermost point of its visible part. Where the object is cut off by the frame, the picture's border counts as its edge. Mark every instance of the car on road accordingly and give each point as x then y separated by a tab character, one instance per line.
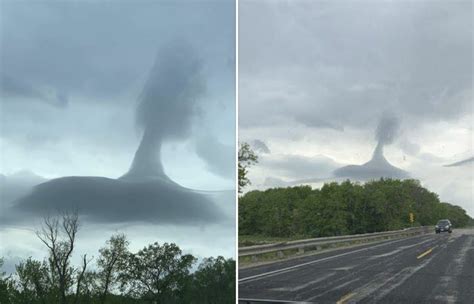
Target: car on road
444	226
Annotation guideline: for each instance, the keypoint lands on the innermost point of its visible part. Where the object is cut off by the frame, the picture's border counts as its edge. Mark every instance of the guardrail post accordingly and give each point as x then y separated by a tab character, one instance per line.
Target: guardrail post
301	250
280	254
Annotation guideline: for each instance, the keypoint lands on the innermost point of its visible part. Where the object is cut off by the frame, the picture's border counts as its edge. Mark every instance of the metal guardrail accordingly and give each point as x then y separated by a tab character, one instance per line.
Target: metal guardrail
258	301
317	243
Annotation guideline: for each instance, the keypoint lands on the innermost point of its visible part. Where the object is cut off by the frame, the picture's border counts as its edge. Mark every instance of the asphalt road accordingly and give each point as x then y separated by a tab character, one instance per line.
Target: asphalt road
423	269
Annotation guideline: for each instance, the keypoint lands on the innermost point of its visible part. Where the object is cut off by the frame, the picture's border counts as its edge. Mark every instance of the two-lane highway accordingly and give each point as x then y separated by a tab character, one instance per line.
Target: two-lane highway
424	269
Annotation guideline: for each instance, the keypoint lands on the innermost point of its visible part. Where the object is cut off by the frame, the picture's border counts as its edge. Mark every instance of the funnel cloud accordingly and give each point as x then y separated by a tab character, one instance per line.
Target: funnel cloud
386	130
378	166
166	106
165	110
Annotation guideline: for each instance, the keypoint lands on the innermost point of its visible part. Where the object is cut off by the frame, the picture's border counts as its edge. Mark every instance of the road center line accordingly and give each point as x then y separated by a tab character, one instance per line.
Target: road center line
424	253
344	299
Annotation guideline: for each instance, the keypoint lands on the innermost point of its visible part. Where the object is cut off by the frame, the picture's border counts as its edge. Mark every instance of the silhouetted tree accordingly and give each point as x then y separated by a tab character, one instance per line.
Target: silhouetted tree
111	261
59	236
247	158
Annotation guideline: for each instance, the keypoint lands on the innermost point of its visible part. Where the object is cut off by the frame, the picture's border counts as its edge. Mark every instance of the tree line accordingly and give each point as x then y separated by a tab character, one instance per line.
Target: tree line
158	273
343	208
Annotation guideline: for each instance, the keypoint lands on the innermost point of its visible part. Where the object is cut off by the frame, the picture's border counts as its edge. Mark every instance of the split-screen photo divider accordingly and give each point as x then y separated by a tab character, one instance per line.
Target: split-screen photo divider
236	151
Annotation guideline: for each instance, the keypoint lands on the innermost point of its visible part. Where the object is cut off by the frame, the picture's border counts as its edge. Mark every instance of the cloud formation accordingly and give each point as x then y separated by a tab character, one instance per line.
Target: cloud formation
219	157
104	200
166	106
12	89
259	146
316	78
145	193
345	63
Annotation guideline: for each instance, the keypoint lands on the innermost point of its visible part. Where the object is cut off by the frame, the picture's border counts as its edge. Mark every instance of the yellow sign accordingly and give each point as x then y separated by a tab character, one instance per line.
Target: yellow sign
412	217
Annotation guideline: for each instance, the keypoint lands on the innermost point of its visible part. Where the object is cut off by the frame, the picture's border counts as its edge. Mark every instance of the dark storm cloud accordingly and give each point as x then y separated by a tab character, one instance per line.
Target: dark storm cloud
103	199
378	166
167	104
387	130
348	62
14	89
174	87
259	146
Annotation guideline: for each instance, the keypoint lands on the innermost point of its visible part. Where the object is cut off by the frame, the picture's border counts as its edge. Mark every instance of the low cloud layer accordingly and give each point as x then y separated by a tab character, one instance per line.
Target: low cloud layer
464	162
108	200
12	89
15	186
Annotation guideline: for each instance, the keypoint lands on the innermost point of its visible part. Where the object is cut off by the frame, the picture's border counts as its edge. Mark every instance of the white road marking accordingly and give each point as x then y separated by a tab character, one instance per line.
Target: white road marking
291	268
332	289
343	268
303	286
382	284
398	250
446	289
399	278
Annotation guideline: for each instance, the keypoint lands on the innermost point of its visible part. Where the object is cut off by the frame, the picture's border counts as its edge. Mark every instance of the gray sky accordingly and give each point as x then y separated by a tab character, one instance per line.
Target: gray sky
71	77
316	79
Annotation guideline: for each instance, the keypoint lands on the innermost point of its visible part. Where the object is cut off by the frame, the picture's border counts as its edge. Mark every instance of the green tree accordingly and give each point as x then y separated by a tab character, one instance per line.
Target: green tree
343	208
157	273
111	262
246	158
36	283
213	282
7	288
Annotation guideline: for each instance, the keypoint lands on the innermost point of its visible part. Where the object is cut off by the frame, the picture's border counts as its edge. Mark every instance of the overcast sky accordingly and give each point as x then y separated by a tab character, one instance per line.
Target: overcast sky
317	77
71	76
